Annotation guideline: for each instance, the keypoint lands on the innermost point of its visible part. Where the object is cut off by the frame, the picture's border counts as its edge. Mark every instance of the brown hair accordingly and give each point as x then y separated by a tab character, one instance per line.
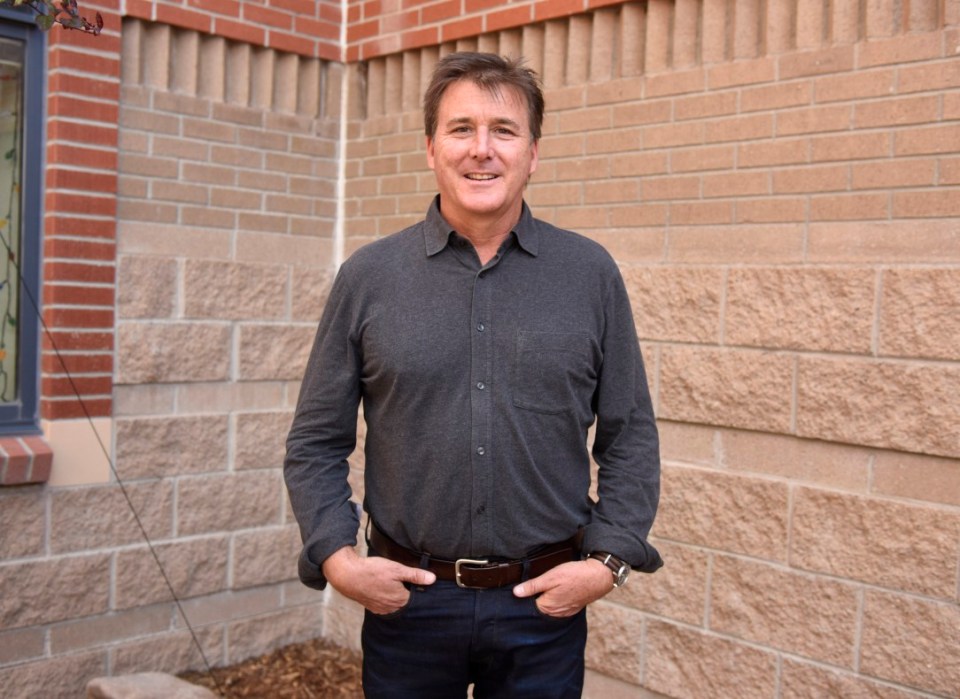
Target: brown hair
490	72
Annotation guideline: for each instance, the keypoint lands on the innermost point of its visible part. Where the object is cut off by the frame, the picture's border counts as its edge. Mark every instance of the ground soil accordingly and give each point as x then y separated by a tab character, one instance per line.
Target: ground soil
313	670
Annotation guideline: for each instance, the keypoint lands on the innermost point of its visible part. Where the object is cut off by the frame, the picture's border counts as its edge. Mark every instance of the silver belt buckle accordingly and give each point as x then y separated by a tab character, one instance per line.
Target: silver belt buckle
470	562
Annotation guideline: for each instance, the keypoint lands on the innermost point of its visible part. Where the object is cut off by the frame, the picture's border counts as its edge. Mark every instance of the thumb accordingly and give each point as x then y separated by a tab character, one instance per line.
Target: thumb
528	588
417	576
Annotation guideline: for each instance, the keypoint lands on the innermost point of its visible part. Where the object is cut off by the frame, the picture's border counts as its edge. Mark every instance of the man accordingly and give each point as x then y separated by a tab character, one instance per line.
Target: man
483	343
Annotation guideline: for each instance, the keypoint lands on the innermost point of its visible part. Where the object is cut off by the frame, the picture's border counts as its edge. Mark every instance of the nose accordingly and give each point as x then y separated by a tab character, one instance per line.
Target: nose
480	148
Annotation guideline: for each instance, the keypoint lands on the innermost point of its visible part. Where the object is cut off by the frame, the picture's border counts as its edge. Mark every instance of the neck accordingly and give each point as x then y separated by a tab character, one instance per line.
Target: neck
486	234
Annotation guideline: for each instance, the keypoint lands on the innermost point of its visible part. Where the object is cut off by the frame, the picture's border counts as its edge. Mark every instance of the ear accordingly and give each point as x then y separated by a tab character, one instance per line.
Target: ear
430	158
534	157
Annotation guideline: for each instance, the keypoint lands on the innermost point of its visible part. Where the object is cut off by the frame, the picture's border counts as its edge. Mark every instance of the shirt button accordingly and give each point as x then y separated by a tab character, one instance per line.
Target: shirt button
481	451
481	385
481	327
481	509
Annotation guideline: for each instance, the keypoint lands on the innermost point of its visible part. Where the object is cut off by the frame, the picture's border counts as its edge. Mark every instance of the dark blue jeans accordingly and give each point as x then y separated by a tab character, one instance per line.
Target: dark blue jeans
446	638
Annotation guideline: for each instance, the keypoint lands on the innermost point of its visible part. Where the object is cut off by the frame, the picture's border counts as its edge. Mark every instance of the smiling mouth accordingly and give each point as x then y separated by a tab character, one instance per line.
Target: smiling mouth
480	176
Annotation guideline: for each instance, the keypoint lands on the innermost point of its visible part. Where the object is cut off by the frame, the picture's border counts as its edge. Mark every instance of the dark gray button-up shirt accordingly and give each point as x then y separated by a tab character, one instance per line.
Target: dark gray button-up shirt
478	385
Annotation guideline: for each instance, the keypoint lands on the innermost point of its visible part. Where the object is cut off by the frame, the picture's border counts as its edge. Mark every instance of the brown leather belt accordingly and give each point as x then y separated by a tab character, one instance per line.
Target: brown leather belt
475	573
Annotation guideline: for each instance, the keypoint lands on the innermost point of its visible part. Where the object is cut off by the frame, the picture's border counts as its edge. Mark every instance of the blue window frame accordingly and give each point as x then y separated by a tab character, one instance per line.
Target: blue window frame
22	122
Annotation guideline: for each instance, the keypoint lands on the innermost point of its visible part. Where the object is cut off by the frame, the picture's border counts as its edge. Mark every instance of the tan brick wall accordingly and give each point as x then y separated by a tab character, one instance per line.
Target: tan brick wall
779	184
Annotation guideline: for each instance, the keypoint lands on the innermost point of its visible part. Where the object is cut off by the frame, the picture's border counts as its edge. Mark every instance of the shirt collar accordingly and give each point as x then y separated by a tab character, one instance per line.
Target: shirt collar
436	231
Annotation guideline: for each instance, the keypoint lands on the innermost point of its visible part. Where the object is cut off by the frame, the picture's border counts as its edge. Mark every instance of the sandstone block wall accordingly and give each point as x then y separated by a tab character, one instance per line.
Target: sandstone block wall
225	220
777	181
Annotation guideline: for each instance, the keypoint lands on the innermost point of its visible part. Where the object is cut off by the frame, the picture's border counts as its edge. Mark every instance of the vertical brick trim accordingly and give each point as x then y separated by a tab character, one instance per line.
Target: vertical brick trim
79	245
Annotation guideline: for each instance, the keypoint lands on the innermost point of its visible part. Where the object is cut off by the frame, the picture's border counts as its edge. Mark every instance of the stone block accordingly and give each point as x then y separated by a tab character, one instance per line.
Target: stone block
103	516
342	621
271	352
149	399
171	446
169	352
706	508
613	644
808	309
265	556
231	606
801	614
734	388
918	313
690	664
19	645
101	630
678	590
892	405
262	634
685	442
23	516
801	681
43	592
229	397
229	502
676	303
194	567
172	652
261	439
146	287
145	685
880	542
918	477
52	677
912	642
804	460
234	290
309	293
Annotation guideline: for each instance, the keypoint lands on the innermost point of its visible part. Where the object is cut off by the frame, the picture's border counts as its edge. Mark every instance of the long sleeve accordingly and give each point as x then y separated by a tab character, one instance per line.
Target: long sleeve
323	436
626	444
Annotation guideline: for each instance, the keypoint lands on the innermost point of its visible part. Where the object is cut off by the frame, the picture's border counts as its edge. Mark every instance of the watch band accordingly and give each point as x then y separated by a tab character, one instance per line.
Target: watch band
618	567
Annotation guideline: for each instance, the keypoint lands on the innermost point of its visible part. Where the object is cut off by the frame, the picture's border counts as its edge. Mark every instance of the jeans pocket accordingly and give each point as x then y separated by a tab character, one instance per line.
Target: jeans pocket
399	612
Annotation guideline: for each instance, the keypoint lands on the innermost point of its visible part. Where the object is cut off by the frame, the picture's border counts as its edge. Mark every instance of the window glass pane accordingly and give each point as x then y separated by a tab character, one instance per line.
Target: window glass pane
11	169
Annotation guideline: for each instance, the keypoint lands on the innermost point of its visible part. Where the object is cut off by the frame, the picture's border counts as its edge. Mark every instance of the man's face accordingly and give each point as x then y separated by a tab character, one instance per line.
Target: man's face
482	155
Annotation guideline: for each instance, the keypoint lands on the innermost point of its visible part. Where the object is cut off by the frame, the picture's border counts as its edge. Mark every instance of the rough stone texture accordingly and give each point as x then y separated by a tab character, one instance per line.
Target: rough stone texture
894	545
311	287
269	352
810	309
247	499
676	303
801	614
799	681
168	352
146	287
892	405
707	508
726	387
613	644
171	446
918	313
342	621
821	463
54	590
171	652
145	685
232	290
261	439
194	567
678	590
263	634
101	516
918	477
265	556
22	521
912	642
688	664
52	677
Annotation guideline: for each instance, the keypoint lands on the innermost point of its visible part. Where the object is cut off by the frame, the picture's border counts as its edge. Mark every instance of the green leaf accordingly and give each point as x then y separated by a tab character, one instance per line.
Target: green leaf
10	154
45	22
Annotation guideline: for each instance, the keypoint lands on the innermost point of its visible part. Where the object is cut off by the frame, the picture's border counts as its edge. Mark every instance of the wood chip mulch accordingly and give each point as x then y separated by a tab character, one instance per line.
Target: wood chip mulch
316	669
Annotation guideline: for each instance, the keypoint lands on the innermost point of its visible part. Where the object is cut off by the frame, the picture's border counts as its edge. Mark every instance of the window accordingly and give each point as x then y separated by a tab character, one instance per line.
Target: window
22	79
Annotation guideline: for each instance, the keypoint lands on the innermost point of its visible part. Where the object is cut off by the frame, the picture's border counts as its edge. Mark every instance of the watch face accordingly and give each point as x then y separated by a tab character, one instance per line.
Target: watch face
622	575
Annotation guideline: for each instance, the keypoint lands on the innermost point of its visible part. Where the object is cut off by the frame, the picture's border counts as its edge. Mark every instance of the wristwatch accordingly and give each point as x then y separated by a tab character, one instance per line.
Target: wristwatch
619	568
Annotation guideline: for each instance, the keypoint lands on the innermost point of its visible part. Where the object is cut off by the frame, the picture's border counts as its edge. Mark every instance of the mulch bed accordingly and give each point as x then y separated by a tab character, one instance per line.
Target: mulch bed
316	669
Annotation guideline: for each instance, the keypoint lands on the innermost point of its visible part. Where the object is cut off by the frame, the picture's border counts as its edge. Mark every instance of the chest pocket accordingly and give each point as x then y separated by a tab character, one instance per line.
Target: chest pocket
554	371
